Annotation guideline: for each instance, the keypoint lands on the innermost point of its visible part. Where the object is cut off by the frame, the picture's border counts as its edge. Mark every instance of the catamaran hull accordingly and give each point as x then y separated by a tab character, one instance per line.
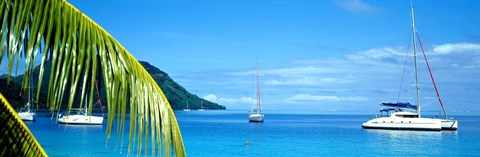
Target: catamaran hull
449	124
81	119
404	124
26	116
256	117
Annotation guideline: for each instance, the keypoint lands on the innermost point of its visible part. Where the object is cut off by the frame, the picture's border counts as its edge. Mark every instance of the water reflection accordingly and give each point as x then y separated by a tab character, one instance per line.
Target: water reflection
403	134
418	142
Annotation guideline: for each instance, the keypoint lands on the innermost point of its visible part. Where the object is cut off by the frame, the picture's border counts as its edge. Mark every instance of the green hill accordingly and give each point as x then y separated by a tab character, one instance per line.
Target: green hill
175	93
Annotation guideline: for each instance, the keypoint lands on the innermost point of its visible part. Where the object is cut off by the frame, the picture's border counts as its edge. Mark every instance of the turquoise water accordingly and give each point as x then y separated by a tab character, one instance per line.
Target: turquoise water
224	133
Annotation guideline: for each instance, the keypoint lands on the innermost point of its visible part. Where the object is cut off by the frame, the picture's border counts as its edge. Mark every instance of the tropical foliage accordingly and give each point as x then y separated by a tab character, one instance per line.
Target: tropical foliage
81	51
16	139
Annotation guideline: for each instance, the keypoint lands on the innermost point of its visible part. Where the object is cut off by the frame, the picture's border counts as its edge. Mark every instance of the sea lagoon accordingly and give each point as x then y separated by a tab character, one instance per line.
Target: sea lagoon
224	133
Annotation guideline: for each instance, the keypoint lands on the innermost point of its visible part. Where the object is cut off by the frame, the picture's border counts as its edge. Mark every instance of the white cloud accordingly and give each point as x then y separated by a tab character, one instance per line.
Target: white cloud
334	71
309	97
356	6
211	97
288	71
307	80
351	78
299	71
457	47
229	101
379	55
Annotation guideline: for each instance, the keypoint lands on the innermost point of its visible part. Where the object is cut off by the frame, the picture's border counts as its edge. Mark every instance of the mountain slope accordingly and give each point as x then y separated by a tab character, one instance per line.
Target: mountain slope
175	93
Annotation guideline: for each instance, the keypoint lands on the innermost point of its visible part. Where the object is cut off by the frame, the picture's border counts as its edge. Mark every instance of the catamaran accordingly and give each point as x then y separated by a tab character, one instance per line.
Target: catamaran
256	115
405	116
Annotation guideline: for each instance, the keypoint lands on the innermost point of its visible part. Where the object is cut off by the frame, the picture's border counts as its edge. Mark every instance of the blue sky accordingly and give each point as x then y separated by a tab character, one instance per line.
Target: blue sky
332	56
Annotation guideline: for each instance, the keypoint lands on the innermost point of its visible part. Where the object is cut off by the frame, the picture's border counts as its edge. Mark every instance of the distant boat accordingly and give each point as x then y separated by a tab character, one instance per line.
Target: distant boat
82	118
26	113
186	109
201	107
399	115
256	115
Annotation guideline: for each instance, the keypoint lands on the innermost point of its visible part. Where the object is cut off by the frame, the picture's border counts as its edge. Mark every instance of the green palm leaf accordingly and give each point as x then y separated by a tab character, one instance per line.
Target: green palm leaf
16	139
82	52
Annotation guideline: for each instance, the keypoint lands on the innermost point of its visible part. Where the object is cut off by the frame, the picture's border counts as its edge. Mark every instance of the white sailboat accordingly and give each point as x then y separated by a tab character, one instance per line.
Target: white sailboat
26	113
404	116
256	115
186	109
82	118
201	107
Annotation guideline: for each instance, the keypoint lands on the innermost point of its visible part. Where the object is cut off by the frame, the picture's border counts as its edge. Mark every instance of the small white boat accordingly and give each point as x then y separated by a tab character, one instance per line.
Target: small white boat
186	109
82	118
26	113
201	107
256	115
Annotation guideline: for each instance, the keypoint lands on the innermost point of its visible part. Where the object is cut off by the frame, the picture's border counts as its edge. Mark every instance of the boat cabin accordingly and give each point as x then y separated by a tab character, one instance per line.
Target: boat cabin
405	115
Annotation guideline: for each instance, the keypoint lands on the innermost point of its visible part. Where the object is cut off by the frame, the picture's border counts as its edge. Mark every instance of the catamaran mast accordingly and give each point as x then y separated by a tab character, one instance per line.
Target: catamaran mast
417	88
258	92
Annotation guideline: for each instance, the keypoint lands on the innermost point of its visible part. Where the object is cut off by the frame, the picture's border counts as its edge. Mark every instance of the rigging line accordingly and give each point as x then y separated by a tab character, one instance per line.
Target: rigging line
404	68
431	75
98	94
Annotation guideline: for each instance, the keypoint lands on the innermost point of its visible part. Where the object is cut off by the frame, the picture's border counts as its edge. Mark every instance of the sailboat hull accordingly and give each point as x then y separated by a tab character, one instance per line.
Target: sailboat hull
255	117
81	119
26	116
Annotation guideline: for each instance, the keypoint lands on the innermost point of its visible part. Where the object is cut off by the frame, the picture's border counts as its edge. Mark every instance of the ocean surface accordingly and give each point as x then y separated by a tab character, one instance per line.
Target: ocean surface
224	133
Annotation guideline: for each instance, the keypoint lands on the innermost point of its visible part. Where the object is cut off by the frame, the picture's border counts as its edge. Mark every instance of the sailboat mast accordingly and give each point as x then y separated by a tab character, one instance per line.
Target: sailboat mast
86	106
417	88
258	91
29	86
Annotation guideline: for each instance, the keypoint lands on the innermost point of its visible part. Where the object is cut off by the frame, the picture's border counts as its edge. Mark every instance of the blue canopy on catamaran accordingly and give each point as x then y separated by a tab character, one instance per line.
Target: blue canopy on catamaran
399	105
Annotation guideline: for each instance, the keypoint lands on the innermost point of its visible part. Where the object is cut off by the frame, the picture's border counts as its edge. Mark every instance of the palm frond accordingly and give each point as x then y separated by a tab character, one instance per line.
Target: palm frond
78	47
15	137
